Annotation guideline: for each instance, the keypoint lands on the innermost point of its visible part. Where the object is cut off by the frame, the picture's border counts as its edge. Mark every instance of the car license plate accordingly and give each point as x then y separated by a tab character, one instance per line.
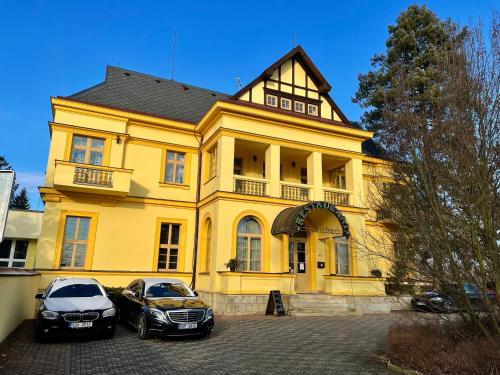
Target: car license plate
80	325
188	325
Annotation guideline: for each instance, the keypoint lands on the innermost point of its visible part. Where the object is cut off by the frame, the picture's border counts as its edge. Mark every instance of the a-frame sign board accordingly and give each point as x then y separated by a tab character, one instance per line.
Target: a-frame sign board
275	303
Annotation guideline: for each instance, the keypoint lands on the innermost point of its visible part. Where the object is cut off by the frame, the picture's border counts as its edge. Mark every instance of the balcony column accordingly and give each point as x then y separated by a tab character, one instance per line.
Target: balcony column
354	181
273	170
225	163
315	175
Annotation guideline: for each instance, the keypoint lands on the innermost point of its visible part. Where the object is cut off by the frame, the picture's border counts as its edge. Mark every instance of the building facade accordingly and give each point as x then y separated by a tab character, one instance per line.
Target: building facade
148	177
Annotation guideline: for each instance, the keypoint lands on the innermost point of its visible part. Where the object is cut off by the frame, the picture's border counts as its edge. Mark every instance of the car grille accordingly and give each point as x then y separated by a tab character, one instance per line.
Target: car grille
186	316
76	317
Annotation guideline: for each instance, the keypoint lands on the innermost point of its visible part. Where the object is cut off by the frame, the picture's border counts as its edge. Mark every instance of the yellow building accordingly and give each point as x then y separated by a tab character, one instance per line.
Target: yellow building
148	176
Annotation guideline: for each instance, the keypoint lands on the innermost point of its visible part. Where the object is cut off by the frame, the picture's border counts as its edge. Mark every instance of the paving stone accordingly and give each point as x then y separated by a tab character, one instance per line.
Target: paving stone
239	345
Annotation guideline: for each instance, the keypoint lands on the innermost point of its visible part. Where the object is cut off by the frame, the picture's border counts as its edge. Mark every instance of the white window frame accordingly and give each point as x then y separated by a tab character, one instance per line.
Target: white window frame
11	258
315	112
295	103
285	100
271	100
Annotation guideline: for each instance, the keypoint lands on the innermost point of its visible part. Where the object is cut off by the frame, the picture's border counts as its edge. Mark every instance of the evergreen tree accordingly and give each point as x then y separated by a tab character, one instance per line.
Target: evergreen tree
414	46
21	201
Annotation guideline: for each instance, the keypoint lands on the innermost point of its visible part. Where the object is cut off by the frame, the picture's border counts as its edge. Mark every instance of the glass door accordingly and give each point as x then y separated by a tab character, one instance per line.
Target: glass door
297	262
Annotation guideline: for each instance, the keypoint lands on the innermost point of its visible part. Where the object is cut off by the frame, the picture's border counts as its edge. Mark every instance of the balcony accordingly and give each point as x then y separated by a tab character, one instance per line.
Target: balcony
92	178
250	185
296	192
338	197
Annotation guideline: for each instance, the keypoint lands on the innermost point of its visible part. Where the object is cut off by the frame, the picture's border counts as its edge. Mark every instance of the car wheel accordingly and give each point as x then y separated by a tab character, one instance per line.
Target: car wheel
108	334
142	327
39	335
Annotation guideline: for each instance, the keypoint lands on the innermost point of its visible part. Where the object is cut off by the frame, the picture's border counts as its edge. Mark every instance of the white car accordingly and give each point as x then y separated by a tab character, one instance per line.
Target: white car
74	306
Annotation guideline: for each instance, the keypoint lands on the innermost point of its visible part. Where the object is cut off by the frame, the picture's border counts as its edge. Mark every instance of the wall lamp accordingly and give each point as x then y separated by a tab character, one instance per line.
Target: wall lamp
118	139
255	158
293	164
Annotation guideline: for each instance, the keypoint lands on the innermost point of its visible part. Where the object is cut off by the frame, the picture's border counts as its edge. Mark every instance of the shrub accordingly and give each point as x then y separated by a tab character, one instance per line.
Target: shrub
438	350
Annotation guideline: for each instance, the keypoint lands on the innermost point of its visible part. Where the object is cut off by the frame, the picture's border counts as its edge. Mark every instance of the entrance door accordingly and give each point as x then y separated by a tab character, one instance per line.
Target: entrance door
297	263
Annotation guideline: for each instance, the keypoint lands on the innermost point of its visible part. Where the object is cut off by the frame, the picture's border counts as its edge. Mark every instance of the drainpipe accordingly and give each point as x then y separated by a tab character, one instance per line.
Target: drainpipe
197	214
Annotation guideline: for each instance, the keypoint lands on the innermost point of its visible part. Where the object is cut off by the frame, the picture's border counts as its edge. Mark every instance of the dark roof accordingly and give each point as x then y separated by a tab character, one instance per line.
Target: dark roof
143	93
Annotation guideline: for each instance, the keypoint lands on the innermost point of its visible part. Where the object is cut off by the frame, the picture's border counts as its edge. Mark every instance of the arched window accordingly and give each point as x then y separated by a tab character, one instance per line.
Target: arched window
249	244
208	244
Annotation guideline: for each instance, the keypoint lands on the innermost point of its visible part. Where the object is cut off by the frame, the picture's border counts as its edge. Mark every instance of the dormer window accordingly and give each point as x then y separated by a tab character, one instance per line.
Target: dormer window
312	109
286	104
299	107
272	100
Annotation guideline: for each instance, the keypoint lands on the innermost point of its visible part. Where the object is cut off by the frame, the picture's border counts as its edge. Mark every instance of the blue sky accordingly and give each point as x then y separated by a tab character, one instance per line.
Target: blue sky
51	48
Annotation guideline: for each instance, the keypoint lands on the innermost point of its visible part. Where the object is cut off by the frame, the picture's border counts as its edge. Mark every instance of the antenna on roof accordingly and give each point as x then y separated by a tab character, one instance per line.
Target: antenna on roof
238	83
173	55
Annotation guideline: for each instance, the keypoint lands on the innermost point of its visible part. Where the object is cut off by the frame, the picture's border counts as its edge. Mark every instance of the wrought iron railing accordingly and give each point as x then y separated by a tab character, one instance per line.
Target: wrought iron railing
337	197
93	176
295	192
249	186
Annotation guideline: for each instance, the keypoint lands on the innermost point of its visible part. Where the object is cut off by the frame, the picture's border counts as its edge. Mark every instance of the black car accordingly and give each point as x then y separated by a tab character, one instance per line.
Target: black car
74	307
433	302
165	307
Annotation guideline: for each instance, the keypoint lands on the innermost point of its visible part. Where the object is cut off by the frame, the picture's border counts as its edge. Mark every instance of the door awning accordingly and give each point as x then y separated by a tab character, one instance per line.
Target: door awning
291	220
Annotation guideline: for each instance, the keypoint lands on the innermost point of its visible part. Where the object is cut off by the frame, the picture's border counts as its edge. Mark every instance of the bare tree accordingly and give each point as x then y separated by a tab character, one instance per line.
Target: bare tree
443	198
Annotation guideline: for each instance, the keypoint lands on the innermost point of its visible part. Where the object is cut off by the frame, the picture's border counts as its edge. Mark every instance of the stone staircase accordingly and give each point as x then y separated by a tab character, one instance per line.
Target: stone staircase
320	305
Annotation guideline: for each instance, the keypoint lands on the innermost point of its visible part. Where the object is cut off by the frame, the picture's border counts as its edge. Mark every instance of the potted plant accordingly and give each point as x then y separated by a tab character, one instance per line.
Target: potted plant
232	264
376	273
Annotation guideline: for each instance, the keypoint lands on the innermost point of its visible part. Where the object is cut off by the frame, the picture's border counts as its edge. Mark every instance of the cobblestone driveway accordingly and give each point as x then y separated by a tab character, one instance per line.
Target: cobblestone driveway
239	345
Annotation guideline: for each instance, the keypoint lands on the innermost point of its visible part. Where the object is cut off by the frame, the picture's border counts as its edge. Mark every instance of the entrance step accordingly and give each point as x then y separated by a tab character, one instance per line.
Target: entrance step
320	305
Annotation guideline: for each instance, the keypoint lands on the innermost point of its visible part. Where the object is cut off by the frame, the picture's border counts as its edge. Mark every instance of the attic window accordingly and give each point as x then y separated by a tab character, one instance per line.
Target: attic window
157	81
127	74
272	100
214	94
299	107
286	103
312	109
184	88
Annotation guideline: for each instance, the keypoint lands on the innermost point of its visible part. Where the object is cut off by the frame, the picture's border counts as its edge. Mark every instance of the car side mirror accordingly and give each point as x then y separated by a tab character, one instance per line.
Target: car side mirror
195	293
39	295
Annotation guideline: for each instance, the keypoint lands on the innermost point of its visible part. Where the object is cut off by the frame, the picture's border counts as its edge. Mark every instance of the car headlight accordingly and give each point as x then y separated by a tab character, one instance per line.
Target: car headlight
158	314
209	314
109	312
51	315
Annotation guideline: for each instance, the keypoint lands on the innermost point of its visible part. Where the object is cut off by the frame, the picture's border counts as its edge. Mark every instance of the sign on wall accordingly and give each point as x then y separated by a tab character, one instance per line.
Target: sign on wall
6	184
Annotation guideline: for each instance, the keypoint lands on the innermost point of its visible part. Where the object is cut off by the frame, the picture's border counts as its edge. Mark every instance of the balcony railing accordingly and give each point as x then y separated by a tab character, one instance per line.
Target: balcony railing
250	186
295	192
93	176
341	198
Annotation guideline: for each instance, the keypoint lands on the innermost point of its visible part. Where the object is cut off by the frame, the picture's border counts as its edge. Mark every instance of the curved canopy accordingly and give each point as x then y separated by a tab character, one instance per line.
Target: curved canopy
291	220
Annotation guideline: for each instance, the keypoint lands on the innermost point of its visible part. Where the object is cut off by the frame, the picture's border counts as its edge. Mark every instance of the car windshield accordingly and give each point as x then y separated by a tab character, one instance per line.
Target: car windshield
76	290
168	290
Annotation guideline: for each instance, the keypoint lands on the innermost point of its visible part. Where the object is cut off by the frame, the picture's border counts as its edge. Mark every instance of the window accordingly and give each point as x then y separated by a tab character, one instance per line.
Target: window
272	100
337	178
286	103
341	256
166	290
75	241
168	252
299	107
208	244
303	175
174	167
212	163
87	150
249	243
13	253
312	109
76	291
238	166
